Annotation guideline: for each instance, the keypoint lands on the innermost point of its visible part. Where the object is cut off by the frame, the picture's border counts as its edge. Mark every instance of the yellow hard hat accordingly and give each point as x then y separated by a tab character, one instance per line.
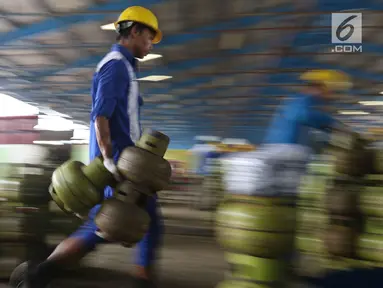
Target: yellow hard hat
332	79
141	15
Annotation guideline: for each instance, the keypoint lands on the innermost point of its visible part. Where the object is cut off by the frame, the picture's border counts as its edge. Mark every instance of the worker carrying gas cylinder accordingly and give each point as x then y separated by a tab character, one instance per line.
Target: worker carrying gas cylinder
114	125
274	169
286	147
256	223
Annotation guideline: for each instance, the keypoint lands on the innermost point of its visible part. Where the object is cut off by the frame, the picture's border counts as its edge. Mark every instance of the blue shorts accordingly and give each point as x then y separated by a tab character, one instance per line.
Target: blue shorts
146	249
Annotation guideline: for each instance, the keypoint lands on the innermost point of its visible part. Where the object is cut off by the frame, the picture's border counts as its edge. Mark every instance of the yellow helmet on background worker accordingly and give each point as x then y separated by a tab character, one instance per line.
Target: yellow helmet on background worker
141	15
333	80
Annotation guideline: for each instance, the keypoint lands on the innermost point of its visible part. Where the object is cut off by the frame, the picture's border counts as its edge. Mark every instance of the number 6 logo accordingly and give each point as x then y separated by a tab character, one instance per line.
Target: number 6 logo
344	26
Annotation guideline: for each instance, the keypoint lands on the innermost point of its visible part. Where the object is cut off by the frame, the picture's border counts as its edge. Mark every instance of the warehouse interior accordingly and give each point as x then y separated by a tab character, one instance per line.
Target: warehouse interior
215	80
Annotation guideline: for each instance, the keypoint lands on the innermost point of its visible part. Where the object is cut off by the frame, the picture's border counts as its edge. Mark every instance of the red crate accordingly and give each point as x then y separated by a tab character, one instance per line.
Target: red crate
19	137
19	123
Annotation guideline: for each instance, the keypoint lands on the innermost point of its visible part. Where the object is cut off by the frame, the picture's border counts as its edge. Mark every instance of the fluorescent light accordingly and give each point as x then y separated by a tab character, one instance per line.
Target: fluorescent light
371	103
155	78
109	26
350	112
150	57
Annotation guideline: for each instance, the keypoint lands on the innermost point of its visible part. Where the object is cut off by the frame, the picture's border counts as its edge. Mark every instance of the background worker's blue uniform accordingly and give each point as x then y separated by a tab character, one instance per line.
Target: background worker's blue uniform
281	159
202	153
115	96
294	118
290	126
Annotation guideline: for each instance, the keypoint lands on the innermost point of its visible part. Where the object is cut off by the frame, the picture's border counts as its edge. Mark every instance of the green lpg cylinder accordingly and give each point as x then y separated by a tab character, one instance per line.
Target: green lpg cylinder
261	271
340	240
213	190
55	209
373	226
313	189
144	164
23	223
339	264
350	162
63	225
310	243
370	247
9	190
375	158
345	141
241	284
73	191
342	196
256	226
314	184
310	265
11	255
371	198
98	175
31	189
378	161
322	164
4	170
11	228
309	220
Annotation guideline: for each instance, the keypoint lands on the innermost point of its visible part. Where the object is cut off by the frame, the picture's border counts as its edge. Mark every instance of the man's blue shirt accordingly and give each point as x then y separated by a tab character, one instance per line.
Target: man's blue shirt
110	90
293	119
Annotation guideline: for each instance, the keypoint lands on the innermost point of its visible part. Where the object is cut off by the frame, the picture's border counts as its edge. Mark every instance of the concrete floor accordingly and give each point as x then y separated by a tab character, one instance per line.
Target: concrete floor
185	261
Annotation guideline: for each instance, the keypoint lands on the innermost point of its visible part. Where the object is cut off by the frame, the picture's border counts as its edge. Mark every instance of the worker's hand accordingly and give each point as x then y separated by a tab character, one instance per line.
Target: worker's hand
112	168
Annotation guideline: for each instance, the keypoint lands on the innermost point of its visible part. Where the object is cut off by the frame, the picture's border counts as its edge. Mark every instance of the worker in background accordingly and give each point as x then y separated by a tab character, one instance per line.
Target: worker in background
286	147
114	125
203	152
200	149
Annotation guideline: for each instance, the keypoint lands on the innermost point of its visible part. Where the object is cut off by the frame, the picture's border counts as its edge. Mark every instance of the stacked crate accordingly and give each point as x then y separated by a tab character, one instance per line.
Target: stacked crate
60	225
342	202
257	234
256	225
370	242
23	214
312	217
345	218
28	217
345	221
212	191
